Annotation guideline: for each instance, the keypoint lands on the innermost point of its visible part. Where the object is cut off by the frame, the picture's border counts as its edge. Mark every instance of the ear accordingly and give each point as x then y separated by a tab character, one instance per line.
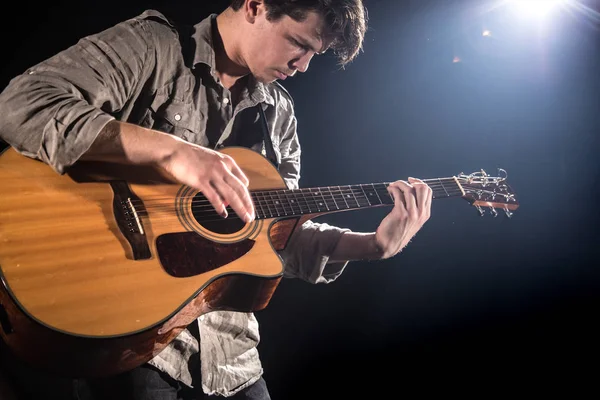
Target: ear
253	9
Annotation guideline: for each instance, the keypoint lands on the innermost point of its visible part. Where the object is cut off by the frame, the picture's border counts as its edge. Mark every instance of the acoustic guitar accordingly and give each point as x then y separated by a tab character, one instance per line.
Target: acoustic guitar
104	266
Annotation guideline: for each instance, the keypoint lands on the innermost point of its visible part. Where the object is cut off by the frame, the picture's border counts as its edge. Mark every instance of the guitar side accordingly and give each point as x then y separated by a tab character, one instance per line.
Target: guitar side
80	297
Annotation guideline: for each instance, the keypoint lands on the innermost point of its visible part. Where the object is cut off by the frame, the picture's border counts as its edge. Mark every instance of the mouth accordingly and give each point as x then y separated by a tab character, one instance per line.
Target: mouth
280	75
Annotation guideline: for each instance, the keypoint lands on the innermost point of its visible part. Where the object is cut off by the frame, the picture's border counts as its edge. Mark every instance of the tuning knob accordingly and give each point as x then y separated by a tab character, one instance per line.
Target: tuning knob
480	210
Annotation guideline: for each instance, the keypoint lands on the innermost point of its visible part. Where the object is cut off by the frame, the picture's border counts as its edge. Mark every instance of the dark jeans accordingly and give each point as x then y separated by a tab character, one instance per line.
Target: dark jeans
142	383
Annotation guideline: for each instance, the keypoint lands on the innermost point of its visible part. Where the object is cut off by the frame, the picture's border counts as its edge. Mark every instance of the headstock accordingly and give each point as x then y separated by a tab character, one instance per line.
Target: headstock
488	192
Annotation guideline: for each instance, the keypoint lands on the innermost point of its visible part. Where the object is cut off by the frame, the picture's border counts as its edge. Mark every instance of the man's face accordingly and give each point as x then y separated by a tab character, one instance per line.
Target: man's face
277	49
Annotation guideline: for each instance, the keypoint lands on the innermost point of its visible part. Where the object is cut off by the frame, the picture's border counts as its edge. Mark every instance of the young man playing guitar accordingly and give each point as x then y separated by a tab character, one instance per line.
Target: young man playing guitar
148	93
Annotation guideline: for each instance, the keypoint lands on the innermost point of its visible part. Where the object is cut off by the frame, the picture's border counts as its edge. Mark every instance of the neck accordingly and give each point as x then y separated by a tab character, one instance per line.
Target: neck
280	203
229	62
320	200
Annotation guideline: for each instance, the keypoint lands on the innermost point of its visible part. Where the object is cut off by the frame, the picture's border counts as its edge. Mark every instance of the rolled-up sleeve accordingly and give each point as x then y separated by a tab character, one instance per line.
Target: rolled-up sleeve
55	110
307	254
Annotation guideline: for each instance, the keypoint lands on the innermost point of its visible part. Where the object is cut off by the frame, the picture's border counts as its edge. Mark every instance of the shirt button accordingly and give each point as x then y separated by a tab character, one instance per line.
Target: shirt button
225	101
177	117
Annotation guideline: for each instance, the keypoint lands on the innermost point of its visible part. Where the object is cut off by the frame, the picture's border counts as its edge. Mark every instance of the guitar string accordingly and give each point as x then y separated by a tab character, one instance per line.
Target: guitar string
277	201
212	216
342	190
215	217
208	214
272	198
296	194
304	205
282	199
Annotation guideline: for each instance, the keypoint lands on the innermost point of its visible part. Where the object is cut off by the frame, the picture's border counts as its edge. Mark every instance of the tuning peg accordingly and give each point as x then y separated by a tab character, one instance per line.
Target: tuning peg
508	213
480	210
494	212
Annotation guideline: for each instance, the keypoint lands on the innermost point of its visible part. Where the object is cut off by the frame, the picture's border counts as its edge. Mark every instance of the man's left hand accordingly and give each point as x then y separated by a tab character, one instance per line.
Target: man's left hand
412	208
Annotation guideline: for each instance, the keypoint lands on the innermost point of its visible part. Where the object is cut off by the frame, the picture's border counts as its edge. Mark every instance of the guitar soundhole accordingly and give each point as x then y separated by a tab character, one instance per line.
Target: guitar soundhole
205	215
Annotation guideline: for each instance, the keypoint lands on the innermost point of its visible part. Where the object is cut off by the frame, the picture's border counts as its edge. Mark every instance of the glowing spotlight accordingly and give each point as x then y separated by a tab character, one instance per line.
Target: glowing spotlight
537	8
487	33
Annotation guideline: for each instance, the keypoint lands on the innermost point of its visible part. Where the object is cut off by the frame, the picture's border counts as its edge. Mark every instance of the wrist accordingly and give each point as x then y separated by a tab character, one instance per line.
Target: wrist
376	251
165	148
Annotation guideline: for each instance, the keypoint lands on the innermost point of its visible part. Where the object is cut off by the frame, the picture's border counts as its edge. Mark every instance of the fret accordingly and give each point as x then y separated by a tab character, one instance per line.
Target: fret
281	202
387	197
441	183
324	201
305	200
293	202
372	195
351	195
343	197
333	197
266	203
274	204
301	197
314	193
314	206
365	194
260	206
376	193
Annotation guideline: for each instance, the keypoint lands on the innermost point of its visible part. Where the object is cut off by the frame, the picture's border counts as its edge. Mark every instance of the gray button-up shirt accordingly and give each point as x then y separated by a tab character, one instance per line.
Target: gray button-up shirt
148	72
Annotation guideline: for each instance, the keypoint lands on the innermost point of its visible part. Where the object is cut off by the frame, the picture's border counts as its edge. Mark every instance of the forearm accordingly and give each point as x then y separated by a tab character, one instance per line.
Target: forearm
127	143
55	110
357	246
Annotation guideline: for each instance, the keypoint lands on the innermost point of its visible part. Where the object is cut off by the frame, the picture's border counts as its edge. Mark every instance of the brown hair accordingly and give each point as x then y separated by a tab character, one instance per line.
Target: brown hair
345	19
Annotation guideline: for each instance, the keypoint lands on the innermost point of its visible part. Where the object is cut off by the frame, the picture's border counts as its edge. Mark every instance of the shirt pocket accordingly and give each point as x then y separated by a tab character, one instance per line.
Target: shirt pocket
169	112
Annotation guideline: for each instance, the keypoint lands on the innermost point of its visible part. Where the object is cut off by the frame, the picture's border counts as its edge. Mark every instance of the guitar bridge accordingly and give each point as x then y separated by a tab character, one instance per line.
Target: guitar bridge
128	220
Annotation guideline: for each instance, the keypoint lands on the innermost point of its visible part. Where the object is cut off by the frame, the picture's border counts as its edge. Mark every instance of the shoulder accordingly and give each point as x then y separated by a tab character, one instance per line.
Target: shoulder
156	24
155	16
166	35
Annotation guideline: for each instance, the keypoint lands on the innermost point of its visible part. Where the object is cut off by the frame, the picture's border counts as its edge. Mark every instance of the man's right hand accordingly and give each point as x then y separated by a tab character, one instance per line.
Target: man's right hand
215	174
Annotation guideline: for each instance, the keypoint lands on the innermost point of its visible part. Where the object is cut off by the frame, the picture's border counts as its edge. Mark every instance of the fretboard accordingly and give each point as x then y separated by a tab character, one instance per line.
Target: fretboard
296	202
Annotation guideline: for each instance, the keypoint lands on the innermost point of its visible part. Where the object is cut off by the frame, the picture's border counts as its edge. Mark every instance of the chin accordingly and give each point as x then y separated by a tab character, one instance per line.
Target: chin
265	79
264	75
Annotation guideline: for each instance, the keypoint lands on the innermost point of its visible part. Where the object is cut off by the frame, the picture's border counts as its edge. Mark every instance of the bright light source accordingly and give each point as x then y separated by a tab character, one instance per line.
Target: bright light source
456	59
536	8
487	33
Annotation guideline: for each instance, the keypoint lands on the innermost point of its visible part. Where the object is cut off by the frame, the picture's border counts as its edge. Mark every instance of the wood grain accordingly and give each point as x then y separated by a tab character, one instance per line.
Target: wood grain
72	288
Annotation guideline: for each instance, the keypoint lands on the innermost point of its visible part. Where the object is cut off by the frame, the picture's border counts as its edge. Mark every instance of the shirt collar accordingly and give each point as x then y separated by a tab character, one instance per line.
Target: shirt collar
204	53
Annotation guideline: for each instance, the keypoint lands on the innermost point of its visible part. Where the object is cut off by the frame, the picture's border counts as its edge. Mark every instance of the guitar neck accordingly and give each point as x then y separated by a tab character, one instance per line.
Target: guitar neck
297	202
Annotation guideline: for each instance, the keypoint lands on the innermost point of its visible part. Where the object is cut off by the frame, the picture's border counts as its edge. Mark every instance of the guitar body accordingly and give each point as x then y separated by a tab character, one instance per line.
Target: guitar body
100	274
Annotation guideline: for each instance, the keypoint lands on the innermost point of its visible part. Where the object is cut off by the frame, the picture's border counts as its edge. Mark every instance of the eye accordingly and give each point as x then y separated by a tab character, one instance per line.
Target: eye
299	45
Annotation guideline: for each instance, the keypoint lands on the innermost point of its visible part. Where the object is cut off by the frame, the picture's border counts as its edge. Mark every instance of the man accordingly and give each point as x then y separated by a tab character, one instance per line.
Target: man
147	92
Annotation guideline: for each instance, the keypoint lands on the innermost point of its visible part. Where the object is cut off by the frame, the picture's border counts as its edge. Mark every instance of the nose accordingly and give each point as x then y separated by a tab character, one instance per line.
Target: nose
301	63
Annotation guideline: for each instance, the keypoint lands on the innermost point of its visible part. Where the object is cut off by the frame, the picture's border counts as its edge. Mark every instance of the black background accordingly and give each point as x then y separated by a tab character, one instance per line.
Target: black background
472	304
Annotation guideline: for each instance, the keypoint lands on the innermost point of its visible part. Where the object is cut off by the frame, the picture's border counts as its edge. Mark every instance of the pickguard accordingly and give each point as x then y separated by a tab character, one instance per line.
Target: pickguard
186	254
